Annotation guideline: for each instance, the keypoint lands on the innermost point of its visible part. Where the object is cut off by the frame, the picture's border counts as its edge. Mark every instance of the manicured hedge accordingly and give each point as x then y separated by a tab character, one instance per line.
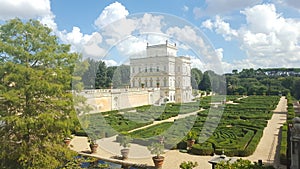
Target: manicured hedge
202	149
283	144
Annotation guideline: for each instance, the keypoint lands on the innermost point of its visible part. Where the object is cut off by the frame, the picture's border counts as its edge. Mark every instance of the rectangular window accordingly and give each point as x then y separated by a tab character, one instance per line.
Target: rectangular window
150	69
139	69
157	68
146	69
132	69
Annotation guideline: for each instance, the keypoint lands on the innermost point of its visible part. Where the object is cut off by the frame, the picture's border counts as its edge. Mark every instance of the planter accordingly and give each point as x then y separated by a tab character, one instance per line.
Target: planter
67	141
190	143
94	148
158	161
124	153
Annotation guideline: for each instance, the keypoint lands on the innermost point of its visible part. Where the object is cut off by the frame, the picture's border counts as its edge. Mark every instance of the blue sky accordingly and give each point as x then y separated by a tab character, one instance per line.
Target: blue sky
232	34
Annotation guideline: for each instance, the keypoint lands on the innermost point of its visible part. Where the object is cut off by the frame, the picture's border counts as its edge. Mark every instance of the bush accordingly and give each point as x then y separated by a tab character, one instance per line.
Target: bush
283	145
202	149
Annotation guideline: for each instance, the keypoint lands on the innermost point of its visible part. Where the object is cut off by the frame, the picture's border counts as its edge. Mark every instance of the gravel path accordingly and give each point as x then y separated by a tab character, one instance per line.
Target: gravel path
267	149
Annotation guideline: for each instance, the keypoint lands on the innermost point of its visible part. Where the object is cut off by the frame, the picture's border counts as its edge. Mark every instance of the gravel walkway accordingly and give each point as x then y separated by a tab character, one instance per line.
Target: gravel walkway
268	147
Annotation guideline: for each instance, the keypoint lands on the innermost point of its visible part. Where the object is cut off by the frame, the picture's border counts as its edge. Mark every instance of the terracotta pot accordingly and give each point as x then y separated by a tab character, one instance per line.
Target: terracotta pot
190	143
94	148
124	153
158	161
67	141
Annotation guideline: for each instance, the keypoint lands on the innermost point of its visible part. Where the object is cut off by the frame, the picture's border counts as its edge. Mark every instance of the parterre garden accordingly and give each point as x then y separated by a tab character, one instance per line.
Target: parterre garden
237	133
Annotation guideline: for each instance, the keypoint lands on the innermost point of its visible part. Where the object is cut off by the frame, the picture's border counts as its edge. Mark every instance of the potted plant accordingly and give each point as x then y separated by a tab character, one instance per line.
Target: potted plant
143	85
93	146
157	84
67	140
191	137
124	141
92	140
157	149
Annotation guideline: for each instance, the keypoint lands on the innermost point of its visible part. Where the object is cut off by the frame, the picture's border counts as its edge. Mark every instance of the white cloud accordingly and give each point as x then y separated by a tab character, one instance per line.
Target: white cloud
208	24
222	6
185	8
263	18
149	23
110	62
220	27
48	21
196	63
269	39
110	14
186	34
24	9
132	47
92	48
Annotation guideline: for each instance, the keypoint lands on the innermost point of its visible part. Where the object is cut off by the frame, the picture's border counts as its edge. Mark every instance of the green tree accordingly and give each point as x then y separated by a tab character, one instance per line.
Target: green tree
101	76
296	87
110	74
121	76
89	75
205	83
196	77
35	107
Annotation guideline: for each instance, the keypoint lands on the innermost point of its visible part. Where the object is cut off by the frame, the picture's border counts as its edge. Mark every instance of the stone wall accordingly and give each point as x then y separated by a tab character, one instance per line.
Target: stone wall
116	99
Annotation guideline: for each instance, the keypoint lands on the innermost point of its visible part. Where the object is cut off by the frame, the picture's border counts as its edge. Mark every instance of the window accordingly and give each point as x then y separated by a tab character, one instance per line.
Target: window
165	68
157	68
132	69
165	82
150	69
139	69
146	69
151	82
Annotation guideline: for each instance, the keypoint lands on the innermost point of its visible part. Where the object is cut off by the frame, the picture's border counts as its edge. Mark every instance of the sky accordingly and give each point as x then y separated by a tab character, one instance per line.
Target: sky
219	35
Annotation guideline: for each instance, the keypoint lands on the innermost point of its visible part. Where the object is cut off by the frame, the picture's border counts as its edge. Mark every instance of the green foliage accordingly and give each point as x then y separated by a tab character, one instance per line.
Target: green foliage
101	76
264	82
205	83
36	110
188	165
283	145
156	149
241	164
124	139
240	128
196	77
192	135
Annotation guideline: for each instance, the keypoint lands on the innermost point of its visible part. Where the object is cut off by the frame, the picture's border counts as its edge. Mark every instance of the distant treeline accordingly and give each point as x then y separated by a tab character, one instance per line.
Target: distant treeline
99	76
271	81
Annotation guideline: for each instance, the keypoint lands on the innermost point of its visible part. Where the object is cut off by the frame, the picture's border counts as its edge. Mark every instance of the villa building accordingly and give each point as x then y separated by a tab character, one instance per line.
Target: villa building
162	68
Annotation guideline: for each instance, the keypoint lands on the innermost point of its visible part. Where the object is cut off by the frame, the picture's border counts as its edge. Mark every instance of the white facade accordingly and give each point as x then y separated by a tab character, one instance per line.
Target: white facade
162	68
